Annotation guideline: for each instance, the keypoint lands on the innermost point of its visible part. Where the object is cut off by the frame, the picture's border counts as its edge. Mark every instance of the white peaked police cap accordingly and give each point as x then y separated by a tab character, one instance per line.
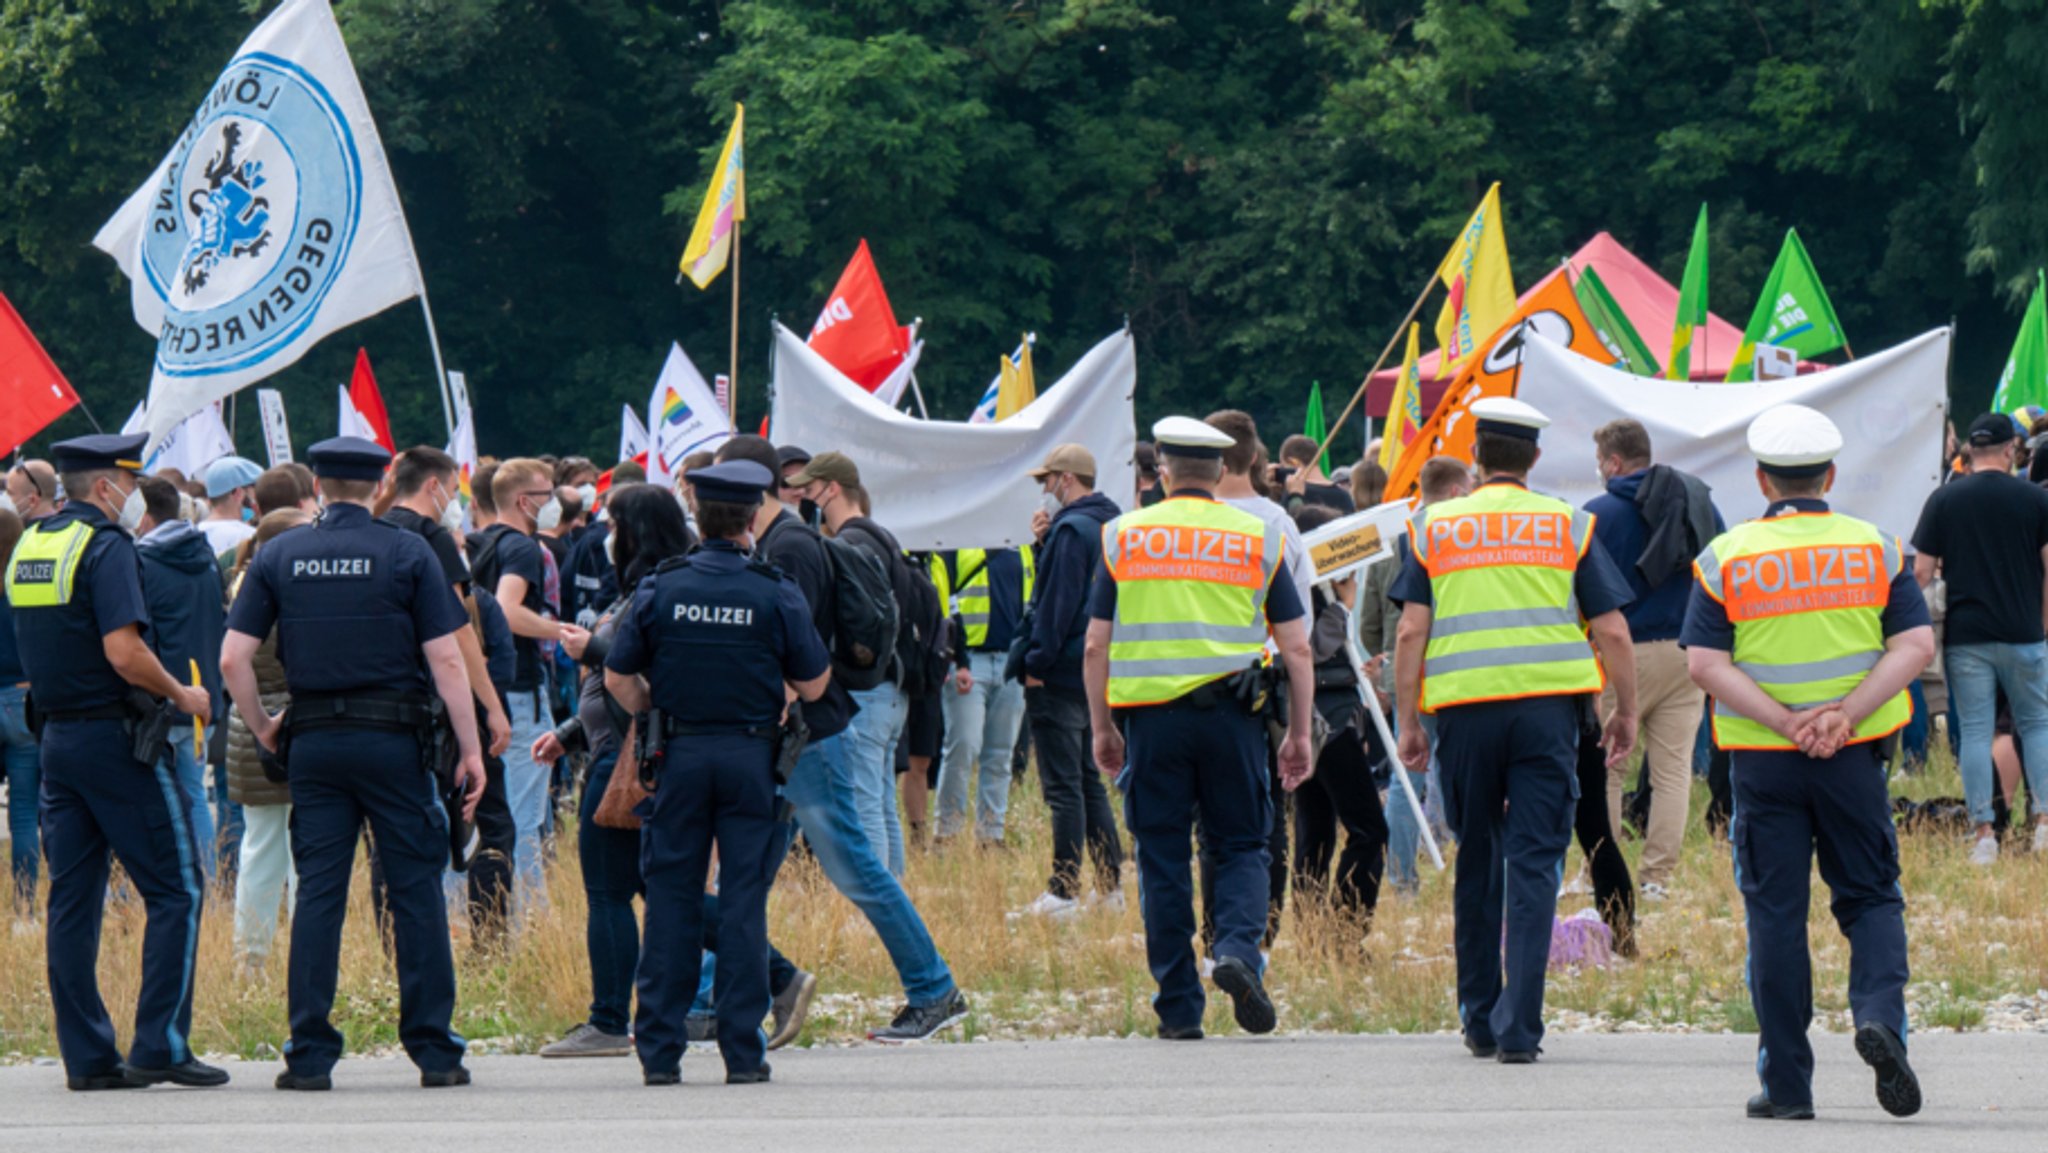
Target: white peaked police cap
1508	417
1186	436
1794	440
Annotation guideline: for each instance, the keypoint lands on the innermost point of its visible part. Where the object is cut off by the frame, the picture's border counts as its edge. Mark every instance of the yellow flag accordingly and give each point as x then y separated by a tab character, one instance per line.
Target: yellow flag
1404	408
1015	386
725	202
1482	289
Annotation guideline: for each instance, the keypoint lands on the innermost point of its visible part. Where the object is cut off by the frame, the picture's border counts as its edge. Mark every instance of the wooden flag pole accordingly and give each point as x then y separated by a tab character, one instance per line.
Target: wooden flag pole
732	389
1402	330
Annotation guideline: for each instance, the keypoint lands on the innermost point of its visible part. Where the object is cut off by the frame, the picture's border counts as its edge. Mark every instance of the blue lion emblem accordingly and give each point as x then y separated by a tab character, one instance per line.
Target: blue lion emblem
232	220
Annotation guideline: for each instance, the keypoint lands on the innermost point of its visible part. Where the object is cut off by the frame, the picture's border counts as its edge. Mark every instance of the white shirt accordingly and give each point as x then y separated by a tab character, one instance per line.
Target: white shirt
222	535
1293	549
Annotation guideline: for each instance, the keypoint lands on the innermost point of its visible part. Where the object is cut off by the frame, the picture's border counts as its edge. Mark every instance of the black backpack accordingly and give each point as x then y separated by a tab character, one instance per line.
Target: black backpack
920	640
863	608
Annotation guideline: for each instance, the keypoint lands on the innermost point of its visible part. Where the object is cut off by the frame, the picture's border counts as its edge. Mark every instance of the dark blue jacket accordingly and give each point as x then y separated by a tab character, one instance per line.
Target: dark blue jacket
1066	568
1655	614
187	604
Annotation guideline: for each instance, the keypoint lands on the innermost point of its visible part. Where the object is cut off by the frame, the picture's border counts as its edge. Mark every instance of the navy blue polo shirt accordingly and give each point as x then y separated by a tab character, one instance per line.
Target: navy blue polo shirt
62	649
1283	600
1598	585
1706	620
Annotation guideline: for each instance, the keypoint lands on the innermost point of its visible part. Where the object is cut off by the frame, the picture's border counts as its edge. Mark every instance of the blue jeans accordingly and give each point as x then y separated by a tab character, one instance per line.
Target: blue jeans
981	730
872	741
526	793
1404	837
191	775
820	789
24	776
1975	675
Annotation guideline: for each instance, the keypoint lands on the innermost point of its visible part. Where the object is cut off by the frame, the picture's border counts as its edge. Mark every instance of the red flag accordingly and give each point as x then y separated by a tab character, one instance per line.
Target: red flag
362	392
857	332
32	392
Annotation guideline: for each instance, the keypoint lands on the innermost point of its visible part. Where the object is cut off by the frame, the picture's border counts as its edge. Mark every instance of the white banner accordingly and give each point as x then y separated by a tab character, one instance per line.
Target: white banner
272	222
277	435
941	484
682	417
463	446
633	438
193	443
350	421
1890	408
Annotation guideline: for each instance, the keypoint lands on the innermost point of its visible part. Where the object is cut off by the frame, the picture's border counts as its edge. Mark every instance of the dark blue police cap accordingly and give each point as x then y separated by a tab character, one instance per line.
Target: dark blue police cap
348	458
101	450
734	482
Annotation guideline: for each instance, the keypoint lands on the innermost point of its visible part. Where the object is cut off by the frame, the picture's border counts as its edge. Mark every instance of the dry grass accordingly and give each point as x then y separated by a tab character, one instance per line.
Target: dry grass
1976	936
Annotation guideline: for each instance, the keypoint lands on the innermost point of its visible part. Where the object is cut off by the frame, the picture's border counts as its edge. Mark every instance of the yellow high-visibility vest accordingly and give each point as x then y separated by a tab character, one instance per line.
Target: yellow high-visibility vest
1505	622
44	565
1192	576
1806	593
970	600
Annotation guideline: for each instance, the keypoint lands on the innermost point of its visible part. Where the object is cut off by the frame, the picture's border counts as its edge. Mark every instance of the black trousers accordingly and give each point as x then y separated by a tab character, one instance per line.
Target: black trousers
1614	892
490	874
1342	794
1082	822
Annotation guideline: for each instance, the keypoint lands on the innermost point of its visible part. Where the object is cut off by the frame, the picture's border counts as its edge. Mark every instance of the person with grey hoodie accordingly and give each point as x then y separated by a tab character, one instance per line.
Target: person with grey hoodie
188	617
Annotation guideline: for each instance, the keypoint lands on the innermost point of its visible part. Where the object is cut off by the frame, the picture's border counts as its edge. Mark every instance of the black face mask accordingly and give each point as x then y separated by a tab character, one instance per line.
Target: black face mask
808	510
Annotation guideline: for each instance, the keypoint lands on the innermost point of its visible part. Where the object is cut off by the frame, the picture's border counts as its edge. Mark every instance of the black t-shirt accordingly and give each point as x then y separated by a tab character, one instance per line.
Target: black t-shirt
1327	495
1988	529
517	554
453	565
794	547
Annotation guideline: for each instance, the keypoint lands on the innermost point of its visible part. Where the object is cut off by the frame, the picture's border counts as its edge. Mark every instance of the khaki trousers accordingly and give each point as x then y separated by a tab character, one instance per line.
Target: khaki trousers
1670	705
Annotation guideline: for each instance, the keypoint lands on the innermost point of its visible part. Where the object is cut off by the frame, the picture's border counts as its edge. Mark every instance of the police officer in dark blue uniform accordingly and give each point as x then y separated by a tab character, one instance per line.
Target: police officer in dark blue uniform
76	588
365	617
723	643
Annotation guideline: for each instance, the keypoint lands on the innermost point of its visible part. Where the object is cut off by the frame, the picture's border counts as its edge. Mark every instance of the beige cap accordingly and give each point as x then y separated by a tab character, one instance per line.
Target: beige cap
831	466
1073	459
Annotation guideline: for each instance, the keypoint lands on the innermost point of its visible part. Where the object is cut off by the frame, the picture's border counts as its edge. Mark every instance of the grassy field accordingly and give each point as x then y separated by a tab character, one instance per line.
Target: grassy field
1979	954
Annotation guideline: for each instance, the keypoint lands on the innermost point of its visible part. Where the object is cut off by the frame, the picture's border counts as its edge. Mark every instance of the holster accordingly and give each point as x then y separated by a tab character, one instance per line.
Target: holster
276	768
149	722
651	745
790	738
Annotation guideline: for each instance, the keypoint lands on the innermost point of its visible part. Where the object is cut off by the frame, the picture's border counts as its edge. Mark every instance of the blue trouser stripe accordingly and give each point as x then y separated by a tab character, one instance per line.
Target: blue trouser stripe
187	873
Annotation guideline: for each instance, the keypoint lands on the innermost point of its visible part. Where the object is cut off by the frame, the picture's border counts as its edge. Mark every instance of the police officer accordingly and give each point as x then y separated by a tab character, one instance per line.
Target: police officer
722	642
1497	591
76	588
366	624
1806	627
1189	591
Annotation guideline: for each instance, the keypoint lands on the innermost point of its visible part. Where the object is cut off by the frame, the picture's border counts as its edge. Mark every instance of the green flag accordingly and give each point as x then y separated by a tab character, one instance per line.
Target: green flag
1692	303
1793	312
2025	379
1612	326
1313	427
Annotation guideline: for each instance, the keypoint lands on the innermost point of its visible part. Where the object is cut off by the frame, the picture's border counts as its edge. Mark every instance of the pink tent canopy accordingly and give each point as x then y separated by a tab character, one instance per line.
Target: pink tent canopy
1650	301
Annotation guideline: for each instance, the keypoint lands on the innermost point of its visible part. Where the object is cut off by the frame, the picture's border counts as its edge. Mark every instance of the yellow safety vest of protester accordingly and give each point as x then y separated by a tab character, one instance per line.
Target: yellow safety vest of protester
44	565
1505	621
1192	576
970	600
1806	593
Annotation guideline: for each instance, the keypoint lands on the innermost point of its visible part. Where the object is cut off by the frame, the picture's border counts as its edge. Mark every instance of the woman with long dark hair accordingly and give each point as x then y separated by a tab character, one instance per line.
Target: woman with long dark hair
647	528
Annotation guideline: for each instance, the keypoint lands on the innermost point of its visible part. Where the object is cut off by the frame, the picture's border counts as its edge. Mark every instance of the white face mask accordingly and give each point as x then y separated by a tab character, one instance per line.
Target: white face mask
133	508
7	504
611	548
589	494
549	516
451	515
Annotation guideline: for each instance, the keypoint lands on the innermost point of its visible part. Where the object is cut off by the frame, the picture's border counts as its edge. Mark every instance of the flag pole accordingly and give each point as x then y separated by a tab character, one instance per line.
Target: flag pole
1413	311
732	392
440	370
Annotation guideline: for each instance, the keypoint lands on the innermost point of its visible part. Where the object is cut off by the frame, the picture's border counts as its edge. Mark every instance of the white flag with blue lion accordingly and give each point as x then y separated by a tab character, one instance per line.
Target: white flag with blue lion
272	222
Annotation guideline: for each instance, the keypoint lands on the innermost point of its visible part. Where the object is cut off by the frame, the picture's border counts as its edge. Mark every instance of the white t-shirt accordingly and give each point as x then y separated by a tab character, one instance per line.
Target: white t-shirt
1293	549
222	535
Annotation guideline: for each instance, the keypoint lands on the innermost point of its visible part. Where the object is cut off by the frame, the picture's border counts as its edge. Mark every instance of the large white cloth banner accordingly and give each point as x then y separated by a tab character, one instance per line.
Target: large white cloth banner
941	484
193	443
1890	408
271	223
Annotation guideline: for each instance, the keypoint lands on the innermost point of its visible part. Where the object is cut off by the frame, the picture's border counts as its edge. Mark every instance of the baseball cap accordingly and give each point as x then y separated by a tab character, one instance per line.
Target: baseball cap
1992	429
828	466
230	473
1068	458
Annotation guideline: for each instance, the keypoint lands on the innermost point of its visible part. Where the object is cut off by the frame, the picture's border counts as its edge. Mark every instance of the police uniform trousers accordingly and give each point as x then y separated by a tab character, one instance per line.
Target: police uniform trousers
1790	811
96	799
1197	770
1511	791
711	789
342	779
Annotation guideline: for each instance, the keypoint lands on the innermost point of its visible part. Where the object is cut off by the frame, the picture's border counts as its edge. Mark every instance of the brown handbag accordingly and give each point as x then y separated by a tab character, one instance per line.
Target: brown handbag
623	794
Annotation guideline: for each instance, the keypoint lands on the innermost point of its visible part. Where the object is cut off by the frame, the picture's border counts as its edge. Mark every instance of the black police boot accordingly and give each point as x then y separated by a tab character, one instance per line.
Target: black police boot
1761	1109
1254	1008
190	1073
1180	1032
1518	1056
444	1078
1898	1090
1484	1050
304	1082
755	1076
664	1077
117	1078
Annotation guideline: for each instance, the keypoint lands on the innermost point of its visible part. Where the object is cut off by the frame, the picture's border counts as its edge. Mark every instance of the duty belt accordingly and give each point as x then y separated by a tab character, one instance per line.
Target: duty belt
679	729
113	712
318	711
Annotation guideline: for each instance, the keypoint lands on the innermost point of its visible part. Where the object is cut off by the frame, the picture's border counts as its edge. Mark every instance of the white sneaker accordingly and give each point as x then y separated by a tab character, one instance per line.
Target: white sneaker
1112	902
1207	967
1986	852
2041	838
1052	905
1654	892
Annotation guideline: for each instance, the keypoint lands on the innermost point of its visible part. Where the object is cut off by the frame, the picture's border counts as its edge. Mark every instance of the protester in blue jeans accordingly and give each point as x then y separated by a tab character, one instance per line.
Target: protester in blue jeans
181	580
872	751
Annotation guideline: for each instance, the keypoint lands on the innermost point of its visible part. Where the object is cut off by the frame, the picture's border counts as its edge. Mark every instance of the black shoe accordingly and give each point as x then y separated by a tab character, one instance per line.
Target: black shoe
917	1022
1180	1032
1517	1056
1761	1109
755	1076
190	1073
1898	1090
94	1082
305	1082
1484	1050
664	1077
1247	994
444	1078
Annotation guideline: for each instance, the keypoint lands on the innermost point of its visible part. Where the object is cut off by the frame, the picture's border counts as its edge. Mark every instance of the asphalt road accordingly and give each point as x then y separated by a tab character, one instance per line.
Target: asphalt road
1641	1093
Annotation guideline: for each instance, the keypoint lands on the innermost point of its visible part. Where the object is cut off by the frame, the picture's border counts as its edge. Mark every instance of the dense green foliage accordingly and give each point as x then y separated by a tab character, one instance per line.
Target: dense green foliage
1259	185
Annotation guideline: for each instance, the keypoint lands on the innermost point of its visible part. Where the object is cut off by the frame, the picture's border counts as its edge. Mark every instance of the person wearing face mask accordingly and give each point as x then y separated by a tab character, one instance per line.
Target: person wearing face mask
32	489
75	586
230	492
1068	526
506	559
425	484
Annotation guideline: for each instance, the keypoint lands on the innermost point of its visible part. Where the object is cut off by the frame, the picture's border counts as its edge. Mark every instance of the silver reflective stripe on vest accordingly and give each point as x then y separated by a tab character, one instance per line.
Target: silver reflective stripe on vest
973	618
1181	666
1560	653
1502	619
1722	710
1582	529
1253	634
1418	534
1111	554
1891	557
1710	571
1270	564
1808	672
